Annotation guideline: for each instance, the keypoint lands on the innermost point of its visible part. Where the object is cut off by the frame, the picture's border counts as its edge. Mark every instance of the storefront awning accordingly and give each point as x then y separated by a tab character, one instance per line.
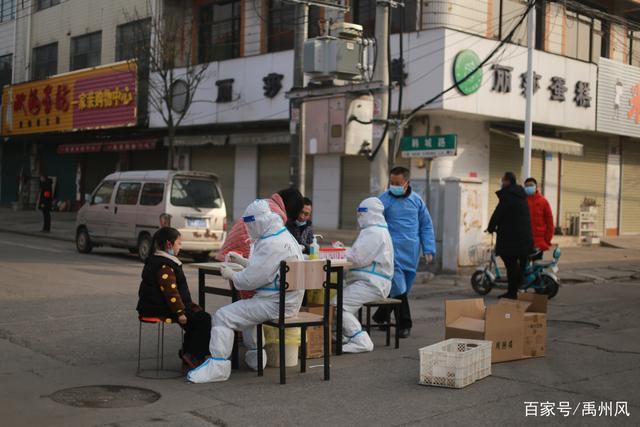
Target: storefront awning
111	147
543	143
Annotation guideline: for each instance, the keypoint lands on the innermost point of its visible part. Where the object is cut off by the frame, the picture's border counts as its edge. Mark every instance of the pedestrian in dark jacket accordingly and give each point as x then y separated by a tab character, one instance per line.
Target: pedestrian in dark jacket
301	228
164	292
512	223
46	199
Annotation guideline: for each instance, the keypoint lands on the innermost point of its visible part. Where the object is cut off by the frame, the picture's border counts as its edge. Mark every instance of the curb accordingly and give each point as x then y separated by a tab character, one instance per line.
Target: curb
37	234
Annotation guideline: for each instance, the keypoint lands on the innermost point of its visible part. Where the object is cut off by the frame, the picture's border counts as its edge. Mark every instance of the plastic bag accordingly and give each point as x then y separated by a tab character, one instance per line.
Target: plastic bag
291	335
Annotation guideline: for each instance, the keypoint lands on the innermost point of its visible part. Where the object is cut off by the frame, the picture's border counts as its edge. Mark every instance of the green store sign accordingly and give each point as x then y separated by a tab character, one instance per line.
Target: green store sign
465	62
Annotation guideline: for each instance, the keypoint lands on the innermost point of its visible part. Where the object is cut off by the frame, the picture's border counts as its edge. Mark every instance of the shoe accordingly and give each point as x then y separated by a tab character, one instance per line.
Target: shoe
507	295
382	327
404	333
188	360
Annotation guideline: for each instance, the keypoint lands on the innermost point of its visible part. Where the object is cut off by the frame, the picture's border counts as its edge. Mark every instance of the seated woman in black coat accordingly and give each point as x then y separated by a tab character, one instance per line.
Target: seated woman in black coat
164	293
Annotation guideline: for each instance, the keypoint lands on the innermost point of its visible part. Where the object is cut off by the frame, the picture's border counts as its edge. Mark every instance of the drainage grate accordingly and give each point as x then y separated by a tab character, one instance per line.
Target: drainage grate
572	324
105	396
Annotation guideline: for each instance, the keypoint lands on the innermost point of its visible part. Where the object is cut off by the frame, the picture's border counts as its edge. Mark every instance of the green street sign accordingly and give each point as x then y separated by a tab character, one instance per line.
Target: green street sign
429	146
465	62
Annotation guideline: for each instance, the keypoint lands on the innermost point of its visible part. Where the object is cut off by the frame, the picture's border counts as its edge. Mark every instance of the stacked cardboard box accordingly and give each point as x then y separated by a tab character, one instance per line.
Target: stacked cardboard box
517	329
315	334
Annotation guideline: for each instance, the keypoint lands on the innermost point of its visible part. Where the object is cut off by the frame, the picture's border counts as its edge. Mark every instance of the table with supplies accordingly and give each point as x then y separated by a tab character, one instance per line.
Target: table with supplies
338	268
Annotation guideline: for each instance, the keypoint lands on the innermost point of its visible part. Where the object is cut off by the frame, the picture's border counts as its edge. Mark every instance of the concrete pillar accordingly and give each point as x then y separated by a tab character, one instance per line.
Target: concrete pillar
612	189
327	173
245	184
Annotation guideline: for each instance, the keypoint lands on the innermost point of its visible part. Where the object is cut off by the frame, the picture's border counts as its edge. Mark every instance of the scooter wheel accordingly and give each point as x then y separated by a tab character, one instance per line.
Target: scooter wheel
549	287
481	283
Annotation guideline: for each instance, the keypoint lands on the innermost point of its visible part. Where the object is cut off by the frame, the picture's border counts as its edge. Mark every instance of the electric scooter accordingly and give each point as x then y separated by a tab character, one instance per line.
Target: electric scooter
539	276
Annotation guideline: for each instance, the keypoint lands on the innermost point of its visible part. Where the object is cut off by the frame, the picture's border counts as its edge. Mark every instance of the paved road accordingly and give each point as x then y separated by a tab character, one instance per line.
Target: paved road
68	320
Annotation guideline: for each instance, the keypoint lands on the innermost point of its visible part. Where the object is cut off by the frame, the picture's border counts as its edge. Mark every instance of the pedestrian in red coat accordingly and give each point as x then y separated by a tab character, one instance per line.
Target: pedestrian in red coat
542	224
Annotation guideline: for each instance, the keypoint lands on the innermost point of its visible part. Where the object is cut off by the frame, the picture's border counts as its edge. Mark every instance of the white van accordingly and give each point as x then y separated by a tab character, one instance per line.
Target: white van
125	208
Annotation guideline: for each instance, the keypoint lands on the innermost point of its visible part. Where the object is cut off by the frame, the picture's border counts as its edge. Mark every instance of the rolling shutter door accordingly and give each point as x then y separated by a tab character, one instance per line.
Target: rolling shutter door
273	169
630	192
221	161
355	188
584	176
506	155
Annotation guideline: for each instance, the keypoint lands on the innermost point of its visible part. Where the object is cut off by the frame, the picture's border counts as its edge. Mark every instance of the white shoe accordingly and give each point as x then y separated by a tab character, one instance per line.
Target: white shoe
251	359
360	343
210	371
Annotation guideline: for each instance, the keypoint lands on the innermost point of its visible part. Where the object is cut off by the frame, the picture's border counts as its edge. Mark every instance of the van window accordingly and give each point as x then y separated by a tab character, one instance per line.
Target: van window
152	194
197	193
102	196
127	193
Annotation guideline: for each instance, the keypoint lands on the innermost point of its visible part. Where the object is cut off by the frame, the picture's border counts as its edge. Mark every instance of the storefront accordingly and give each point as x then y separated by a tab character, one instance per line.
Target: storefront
70	128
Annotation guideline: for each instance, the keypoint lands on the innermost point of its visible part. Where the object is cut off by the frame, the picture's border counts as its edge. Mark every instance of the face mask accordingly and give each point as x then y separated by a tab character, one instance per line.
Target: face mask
530	190
301	223
396	190
170	252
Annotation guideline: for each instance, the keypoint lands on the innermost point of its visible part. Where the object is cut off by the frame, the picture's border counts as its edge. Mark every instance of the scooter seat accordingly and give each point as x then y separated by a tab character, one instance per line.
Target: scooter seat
542	264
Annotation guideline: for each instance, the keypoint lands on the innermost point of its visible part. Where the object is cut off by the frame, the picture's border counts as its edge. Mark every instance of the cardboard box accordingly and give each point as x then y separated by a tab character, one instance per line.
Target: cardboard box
315	334
517	329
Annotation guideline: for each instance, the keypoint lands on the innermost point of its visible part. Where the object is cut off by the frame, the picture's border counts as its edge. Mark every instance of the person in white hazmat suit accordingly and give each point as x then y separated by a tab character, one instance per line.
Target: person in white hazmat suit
272	244
370	277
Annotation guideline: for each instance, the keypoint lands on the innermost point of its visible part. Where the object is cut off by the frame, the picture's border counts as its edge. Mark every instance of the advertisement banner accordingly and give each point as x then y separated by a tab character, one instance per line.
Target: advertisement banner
97	98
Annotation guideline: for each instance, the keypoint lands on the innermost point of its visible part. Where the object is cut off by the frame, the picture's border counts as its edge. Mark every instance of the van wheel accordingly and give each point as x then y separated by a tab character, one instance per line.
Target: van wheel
144	246
83	241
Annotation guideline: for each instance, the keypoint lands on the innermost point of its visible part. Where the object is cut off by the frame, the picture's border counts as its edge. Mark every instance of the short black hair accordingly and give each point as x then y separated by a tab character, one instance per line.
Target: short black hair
511	177
164	235
401	170
307	201
531	179
293	202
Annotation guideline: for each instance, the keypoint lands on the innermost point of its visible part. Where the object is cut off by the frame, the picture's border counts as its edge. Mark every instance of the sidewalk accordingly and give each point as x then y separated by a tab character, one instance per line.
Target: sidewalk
29	223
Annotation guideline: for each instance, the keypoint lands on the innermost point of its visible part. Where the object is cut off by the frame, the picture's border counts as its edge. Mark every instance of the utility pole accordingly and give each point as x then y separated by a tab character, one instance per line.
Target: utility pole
297	167
528	123
379	166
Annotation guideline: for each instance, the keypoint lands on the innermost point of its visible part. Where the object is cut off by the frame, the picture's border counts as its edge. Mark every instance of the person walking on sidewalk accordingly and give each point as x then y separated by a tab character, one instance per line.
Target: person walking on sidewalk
411	230
542	224
46	199
512	224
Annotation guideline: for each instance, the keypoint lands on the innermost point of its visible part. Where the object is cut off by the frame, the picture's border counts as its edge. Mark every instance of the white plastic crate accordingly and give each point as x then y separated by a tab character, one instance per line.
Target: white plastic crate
455	363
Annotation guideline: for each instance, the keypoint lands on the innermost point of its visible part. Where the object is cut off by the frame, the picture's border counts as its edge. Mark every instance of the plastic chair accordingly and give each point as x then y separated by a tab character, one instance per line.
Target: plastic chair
160	372
395	303
296	276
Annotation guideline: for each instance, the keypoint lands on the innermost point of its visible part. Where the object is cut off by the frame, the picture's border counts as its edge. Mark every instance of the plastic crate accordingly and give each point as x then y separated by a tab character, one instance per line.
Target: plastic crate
455	363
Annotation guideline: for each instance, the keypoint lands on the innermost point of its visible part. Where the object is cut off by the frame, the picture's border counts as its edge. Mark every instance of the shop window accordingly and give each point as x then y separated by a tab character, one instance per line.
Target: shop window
45	61
364	13
281	23
102	196
45	4
219	32
86	51
7	10
152	194
132	39
6	65
127	193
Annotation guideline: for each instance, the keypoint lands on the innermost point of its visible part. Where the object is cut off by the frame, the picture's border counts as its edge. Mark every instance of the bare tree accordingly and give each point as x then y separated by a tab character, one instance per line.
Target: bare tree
169	72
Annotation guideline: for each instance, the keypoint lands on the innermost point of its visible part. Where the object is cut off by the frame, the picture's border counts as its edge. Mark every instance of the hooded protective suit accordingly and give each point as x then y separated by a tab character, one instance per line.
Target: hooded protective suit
370	277
273	244
411	230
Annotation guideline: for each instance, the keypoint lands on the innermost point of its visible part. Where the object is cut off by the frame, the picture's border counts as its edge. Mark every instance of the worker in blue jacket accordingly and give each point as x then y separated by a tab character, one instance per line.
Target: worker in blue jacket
411	231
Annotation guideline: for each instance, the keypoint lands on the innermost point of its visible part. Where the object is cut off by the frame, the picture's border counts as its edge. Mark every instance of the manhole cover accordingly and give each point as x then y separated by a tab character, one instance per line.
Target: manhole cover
573	324
105	396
